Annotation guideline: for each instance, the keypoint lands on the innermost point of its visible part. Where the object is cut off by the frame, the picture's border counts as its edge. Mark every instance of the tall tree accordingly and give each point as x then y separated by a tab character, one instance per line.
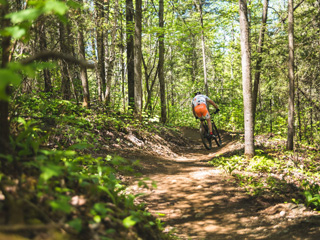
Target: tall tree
138	58
43	47
99	6
291	76
83	70
246	79
65	79
259	60
161	63
4	105
199	6
130	51
112	53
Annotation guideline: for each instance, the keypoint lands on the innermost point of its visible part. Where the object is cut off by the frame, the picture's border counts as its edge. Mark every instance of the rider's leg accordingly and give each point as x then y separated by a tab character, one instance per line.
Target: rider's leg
209	125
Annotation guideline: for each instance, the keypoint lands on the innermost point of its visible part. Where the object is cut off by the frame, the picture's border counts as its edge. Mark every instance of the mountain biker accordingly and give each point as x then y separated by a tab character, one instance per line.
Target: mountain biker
200	110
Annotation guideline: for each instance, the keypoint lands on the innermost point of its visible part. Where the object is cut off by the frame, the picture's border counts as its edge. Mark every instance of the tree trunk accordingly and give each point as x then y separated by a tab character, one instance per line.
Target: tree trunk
199	6
130	52
246	79
43	47
259	60
100	48
138	59
73	75
83	70
122	50
112	53
65	80
291	76
161	63
4	105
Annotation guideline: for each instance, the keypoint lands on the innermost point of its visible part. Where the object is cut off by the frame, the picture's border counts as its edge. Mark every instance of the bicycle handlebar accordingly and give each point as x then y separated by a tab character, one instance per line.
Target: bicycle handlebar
216	111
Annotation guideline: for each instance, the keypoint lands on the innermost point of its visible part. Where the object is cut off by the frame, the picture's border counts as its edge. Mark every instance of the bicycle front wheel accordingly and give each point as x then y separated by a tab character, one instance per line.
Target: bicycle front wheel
205	136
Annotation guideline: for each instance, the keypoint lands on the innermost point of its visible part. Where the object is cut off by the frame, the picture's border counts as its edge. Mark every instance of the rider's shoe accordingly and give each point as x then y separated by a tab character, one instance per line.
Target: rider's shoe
211	136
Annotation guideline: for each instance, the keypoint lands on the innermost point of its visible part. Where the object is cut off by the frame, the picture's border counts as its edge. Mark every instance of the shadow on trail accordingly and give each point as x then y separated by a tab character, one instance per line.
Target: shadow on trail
200	202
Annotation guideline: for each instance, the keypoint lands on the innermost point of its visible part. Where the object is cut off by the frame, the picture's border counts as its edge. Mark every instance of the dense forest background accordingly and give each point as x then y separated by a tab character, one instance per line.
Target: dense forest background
101	32
69	67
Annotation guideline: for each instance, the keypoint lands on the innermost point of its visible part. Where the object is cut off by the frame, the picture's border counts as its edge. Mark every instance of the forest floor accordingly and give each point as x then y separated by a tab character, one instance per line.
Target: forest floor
198	201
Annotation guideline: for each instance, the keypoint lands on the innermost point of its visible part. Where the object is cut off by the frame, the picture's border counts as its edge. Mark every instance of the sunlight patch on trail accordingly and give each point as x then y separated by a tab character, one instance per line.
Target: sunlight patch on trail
204	174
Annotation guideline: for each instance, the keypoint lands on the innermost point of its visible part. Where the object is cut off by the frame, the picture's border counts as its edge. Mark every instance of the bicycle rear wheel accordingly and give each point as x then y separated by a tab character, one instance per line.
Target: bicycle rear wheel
217	137
205	136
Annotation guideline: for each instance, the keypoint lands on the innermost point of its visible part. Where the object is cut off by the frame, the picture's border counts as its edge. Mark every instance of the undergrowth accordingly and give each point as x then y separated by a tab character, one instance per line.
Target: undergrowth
277	173
53	177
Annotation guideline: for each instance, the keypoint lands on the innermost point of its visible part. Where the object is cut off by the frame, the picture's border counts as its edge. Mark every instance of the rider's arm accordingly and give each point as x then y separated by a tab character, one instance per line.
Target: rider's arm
213	103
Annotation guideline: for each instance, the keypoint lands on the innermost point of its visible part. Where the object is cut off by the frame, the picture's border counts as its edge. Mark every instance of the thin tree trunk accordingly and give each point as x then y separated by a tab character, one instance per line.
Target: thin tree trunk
130	52
311	115
100	47
299	113
43	47
149	86
199	6
112	53
65	80
291	76
4	105
138	59
122	64
73	76
259	60
161	63
83	70
246	80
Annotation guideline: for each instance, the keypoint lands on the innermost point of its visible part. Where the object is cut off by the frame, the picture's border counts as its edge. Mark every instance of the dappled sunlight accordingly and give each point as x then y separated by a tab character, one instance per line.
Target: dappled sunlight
199	201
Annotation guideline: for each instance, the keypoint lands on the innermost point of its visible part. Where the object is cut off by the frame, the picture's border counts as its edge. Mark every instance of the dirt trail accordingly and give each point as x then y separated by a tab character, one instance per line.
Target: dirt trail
201	202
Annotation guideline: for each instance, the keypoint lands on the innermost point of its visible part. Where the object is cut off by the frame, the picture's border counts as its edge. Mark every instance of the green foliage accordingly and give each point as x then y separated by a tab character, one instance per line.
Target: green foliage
61	176
312	194
266	174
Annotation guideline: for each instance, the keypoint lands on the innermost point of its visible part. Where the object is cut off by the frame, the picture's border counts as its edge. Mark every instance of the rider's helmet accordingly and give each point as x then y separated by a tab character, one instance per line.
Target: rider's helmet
197	93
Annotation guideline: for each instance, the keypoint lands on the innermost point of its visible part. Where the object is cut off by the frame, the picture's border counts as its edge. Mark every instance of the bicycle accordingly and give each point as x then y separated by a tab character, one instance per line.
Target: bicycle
205	135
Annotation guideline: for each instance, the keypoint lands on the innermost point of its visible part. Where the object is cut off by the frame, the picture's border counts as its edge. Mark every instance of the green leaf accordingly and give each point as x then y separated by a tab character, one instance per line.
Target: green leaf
56	7
79	146
7	77
73	4
100	208
129	221
76	224
30	14
108	192
97	218
16	32
50	171
62	205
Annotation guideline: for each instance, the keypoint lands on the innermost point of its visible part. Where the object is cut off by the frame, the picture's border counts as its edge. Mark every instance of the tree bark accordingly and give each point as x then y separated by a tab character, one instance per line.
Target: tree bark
138	59
112	53
43	47
246	80
4	105
161	63
199	6
100	48
83	70
65	80
291	76
130	52
259	60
